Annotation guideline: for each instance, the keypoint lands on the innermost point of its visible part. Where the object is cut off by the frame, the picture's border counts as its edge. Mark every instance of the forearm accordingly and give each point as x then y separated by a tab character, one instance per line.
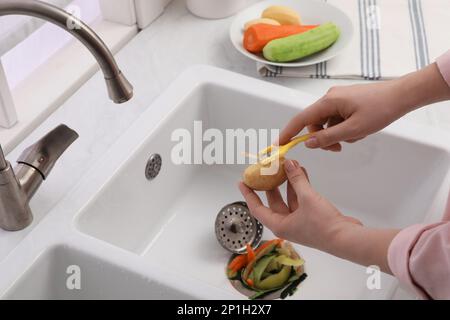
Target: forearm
420	88
362	245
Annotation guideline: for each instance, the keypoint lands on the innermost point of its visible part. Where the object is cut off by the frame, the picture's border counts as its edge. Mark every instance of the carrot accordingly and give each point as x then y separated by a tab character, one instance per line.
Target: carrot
250	253
257	36
243	260
250	282
268	243
237	260
238	263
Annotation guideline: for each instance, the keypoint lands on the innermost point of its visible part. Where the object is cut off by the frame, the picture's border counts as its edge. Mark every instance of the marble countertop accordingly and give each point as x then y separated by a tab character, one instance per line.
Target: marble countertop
151	61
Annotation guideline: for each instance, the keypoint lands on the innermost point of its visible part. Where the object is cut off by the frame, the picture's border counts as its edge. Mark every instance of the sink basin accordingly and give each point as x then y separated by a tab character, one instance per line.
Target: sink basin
48	278
155	228
171	218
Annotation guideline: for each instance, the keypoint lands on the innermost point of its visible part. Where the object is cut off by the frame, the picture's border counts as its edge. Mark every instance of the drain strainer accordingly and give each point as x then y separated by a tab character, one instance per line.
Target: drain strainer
153	166
236	227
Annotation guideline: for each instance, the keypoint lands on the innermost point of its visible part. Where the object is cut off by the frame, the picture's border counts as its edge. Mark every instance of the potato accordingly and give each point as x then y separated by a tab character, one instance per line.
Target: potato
282	14
255	180
263	21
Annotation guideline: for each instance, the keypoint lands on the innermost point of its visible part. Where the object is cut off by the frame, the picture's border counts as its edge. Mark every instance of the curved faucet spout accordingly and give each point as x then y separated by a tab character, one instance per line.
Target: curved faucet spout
119	89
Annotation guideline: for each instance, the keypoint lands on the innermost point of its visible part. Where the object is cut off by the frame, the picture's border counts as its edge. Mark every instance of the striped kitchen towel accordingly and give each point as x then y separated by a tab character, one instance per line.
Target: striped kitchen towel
392	38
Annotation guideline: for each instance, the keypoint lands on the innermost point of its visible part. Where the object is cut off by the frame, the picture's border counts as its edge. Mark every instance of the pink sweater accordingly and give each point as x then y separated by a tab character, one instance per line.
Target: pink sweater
419	256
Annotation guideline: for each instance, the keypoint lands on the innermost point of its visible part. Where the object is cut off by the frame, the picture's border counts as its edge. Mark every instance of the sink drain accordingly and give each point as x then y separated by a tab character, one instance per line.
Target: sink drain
235	228
153	166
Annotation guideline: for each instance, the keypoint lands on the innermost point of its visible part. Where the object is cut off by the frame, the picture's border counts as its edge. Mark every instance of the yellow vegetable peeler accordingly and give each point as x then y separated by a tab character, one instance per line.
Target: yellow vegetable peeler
281	151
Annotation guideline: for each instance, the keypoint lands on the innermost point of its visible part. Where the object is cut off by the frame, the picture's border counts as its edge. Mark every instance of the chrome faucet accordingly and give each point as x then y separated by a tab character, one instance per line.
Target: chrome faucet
18	186
119	89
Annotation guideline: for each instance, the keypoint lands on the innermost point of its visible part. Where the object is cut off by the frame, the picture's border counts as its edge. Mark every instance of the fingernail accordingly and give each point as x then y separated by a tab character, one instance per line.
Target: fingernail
312	142
289	165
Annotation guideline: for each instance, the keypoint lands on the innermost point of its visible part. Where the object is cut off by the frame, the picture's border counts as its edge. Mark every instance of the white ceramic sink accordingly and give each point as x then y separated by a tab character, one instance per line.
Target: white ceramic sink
49	279
137	228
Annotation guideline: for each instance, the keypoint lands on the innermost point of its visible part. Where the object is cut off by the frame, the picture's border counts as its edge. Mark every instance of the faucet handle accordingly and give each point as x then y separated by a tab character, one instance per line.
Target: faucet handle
43	155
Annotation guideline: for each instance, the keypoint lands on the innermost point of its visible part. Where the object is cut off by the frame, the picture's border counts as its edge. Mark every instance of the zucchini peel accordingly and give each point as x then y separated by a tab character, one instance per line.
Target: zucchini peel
275	271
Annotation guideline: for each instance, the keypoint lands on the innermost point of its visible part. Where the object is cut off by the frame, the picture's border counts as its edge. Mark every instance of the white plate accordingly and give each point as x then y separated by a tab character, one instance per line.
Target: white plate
311	12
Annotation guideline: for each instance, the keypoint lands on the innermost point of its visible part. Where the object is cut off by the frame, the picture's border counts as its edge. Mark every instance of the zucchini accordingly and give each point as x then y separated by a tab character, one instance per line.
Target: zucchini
267	250
259	268
287	261
276	280
299	46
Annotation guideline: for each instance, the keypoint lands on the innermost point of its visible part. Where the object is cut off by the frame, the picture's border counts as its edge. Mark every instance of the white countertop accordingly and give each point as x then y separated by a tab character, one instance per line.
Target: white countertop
151	61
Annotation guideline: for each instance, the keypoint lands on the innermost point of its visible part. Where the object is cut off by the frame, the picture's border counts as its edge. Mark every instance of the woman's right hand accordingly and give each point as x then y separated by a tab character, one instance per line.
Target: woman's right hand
350	113
347	113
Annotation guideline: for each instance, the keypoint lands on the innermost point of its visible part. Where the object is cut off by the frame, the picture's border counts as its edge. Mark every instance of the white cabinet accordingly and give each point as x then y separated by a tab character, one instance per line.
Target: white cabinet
149	10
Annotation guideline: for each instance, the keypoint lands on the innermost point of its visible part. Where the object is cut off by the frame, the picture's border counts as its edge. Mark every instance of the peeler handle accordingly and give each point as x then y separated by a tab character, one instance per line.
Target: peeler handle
296	141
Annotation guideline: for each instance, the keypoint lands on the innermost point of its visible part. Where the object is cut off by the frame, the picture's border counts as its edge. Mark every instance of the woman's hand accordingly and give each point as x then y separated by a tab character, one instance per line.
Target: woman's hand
307	218
351	113
348	113
310	220
344	114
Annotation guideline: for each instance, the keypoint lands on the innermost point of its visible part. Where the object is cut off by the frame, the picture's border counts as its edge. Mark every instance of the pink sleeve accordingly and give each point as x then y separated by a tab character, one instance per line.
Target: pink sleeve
419	256
443	63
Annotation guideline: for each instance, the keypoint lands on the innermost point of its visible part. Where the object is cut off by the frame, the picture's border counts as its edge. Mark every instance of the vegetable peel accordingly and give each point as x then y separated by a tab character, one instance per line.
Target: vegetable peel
273	268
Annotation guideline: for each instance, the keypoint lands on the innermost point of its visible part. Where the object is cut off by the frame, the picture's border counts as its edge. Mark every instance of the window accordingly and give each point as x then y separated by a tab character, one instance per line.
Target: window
23	58
31	51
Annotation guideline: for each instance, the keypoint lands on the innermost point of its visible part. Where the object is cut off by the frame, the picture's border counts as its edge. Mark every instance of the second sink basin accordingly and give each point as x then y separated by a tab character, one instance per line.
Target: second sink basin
392	179
53	277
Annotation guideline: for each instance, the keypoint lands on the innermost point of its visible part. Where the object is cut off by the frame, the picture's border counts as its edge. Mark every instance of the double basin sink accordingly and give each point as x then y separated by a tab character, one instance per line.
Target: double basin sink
120	235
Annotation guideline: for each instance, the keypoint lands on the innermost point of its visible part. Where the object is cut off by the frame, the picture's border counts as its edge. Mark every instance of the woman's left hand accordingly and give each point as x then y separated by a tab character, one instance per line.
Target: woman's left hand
307	218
